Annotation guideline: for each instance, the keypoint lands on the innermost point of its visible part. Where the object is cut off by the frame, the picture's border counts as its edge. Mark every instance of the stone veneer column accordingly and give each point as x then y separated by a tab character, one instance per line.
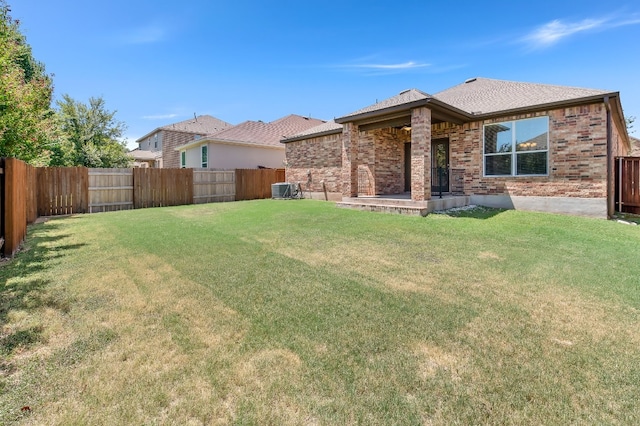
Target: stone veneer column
420	154
349	160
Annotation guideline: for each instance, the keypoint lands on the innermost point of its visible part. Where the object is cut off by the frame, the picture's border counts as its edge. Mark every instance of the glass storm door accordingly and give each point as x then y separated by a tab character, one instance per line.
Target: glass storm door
440	166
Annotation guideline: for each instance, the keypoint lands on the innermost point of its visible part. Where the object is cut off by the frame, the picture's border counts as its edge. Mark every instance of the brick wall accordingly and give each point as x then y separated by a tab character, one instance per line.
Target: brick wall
171	140
577	158
322	157
577	155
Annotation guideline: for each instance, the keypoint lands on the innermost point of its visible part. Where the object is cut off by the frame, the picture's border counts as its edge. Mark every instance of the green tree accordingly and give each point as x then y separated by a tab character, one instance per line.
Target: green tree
630	120
27	123
90	135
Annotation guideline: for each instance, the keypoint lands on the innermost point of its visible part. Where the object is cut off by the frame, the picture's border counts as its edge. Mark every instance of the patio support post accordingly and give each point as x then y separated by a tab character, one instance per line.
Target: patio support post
420	154
349	160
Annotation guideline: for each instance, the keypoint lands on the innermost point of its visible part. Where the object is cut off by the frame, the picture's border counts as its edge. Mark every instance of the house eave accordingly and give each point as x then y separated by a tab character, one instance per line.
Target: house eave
225	142
311	136
542	107
443	111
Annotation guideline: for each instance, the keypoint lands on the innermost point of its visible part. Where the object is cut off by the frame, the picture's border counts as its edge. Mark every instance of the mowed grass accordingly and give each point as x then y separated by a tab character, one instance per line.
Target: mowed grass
296	312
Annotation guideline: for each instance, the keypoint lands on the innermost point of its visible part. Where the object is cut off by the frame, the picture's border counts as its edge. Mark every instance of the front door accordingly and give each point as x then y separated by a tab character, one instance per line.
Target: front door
439	166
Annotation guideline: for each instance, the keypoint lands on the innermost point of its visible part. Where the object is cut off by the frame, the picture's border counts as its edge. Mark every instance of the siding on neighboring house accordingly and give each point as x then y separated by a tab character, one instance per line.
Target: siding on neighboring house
172	139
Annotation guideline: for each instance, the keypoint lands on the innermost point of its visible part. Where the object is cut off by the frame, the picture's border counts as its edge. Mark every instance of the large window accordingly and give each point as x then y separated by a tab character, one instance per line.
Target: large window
517	148
205	156
183	159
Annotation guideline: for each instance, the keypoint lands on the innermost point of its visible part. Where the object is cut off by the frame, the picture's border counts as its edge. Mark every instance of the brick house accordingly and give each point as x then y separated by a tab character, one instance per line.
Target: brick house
166	138
489	142
248	145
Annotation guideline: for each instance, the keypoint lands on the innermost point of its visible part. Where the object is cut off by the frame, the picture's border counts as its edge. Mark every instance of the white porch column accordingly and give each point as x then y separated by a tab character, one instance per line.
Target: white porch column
420	154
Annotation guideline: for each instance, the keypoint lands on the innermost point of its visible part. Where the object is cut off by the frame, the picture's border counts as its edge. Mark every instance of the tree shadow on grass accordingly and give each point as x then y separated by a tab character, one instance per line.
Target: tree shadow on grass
23	289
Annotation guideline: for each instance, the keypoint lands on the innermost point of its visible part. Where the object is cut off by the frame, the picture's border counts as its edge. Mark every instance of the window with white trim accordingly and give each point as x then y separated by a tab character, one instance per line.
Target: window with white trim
517	148
183	159
204	154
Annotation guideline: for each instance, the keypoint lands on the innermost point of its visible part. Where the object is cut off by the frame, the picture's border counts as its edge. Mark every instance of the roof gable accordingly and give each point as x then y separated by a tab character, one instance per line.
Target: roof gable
404	97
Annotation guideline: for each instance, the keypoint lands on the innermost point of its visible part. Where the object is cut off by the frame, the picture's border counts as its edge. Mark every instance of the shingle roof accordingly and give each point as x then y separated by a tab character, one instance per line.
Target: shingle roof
139	154
404	97
481	96
203	124
325	128
200	125
485	96
269	134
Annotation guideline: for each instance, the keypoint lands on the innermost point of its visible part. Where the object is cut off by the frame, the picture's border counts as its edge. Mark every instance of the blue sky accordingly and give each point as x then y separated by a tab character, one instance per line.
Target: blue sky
158	62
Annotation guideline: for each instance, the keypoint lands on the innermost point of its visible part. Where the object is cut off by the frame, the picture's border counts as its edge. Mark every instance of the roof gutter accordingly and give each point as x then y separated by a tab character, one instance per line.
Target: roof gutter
542	107
440	106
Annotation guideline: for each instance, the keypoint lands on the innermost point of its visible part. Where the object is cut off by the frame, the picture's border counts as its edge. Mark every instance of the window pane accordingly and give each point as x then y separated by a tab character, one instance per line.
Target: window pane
534	163
204	153
497	138
532	135
496	165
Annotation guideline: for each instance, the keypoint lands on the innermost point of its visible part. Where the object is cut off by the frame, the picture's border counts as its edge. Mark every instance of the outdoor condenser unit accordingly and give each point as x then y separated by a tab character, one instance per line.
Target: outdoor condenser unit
281	190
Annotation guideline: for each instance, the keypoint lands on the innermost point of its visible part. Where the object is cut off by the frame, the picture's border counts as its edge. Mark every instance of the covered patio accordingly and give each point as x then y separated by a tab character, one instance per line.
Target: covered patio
390	158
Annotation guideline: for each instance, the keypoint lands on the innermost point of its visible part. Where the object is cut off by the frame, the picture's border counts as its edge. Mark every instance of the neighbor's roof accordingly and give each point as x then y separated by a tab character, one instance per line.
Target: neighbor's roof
635	146
328	128
259	133
479	96
485	96
200	125
141	155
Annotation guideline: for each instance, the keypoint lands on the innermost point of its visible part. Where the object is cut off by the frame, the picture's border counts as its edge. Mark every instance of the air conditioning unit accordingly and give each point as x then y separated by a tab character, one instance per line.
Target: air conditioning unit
281	190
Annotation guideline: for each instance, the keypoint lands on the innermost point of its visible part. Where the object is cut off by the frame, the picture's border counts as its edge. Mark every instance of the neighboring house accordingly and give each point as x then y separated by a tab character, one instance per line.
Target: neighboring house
635	147
146	159
166	138
248	145
495	143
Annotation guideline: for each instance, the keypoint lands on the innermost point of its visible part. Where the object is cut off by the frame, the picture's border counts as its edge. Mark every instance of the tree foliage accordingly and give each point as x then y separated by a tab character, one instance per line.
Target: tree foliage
90	135
630	120
27	123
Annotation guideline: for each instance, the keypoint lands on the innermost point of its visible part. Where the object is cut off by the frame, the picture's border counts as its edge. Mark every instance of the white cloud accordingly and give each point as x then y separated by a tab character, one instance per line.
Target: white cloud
402	66
159	116
557	30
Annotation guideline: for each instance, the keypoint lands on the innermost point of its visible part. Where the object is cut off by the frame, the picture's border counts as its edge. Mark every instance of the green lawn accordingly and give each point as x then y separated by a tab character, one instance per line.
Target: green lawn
296	312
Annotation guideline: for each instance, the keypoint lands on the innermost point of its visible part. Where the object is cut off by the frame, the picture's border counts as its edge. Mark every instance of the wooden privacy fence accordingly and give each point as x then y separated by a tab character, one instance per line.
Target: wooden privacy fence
162	187
28	192
252	184
212	186
110	190
17	190
62	190
627	196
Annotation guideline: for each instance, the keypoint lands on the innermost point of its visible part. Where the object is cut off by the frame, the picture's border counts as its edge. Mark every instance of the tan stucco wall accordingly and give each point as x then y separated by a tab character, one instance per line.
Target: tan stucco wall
225	156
